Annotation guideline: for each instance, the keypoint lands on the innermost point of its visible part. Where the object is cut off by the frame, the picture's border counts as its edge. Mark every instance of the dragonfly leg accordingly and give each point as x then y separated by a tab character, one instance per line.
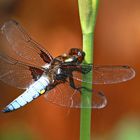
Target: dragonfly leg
86	70
72	84
83	69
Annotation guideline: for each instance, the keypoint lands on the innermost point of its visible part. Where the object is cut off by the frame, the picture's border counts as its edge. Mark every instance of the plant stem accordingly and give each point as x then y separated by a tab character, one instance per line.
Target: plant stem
86	97
87	11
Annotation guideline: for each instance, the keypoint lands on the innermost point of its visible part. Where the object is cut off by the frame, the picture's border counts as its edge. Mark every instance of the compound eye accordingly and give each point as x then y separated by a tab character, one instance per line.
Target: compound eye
78	53
74	51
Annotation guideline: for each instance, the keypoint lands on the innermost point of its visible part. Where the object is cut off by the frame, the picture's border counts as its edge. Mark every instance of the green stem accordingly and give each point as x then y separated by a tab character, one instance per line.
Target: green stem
87	11
86	97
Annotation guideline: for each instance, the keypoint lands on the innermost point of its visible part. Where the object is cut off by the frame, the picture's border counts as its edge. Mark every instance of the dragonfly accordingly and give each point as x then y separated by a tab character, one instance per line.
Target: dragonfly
26	65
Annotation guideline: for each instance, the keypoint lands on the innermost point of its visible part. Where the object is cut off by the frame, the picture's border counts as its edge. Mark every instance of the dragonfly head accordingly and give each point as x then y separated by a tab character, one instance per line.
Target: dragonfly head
75	56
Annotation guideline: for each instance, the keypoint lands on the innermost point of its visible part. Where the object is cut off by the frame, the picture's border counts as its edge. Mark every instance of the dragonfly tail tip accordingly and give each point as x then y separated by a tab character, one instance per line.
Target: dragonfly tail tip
6	110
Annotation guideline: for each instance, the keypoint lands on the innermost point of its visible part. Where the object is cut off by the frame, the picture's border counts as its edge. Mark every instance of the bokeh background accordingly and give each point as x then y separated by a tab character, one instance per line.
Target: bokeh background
55	24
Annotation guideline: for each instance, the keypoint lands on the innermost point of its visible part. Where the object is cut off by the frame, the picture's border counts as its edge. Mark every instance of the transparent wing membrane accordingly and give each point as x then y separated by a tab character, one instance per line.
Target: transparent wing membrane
105	74
112	74
65	96
23	47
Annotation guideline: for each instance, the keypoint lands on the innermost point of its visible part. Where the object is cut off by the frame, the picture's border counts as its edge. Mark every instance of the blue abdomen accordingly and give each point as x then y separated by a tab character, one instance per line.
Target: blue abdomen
35	90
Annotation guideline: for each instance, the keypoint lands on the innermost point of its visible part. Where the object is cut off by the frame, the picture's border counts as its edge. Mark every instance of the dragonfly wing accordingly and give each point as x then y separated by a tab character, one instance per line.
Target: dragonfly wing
112	74
16	73
65	96
23	46
59	97
102	74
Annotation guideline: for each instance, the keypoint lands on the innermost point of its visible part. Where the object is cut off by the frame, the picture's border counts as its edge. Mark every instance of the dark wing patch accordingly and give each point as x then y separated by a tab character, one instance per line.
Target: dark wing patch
16	73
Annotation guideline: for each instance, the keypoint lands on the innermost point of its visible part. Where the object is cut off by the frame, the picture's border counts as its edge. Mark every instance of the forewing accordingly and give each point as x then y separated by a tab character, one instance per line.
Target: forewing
112	74
102	74
16	73
25	48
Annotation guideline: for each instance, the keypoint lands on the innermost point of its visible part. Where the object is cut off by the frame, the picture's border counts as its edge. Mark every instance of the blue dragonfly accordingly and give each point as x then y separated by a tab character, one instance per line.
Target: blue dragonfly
26	65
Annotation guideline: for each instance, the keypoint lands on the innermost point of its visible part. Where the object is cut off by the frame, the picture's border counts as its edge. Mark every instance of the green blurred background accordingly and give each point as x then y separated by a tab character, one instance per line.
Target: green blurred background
55	24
